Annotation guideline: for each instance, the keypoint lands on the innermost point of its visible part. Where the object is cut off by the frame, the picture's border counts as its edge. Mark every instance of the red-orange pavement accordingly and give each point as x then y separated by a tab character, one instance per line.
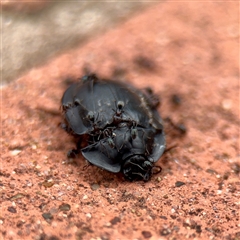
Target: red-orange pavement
188	49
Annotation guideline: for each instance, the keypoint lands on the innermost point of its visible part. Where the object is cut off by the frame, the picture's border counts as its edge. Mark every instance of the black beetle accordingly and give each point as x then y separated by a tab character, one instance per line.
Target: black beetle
119	125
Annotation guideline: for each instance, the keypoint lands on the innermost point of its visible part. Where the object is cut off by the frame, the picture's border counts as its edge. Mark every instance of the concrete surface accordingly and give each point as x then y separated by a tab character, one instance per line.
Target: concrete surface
33	32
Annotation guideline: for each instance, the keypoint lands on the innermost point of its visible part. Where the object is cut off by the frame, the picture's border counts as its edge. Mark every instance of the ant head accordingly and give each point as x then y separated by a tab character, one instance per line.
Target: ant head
119	108
120	105
90	116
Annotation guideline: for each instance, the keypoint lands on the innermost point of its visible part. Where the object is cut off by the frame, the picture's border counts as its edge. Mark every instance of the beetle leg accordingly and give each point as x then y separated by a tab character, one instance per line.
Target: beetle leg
145	176
139	174
135	164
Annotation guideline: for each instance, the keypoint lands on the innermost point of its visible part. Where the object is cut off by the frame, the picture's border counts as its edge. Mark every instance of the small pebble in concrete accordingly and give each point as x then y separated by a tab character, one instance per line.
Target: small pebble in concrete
179	184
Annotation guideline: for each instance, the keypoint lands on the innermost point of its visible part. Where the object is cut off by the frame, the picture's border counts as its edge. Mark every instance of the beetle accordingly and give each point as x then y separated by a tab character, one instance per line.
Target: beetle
119	125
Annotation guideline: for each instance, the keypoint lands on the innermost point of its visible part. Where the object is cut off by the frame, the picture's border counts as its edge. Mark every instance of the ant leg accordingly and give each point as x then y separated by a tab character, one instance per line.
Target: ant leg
153	99
180	128
72	153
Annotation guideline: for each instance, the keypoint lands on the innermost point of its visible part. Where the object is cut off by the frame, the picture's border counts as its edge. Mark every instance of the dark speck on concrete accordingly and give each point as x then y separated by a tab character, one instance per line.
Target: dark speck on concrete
179	184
